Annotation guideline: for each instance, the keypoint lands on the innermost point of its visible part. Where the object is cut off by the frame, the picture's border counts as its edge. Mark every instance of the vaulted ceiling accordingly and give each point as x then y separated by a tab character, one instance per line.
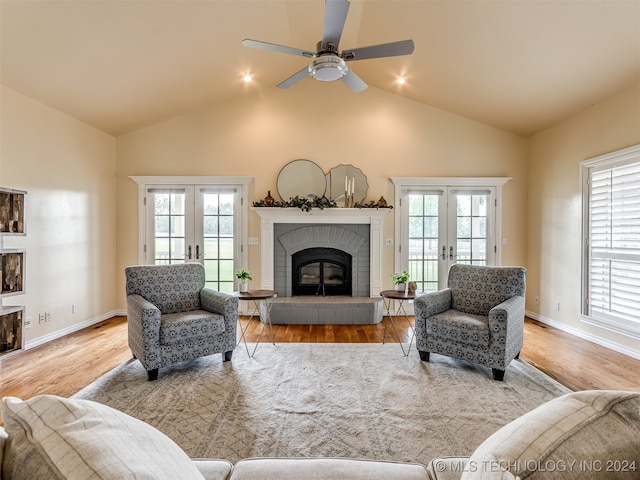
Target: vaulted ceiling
519	65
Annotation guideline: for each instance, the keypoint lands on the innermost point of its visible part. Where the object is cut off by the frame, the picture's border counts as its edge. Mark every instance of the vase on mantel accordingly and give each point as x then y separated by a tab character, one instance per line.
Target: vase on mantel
269	200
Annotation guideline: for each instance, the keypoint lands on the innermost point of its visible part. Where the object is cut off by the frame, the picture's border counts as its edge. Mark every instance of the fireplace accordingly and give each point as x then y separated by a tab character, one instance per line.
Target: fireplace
356	231
321	271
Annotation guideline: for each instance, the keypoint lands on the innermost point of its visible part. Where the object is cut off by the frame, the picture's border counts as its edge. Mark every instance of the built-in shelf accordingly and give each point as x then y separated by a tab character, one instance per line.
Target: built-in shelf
12	269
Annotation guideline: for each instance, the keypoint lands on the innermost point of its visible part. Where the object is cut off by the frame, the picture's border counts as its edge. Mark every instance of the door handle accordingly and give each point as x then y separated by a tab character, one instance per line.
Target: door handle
451	252
189	255
444	252
197	252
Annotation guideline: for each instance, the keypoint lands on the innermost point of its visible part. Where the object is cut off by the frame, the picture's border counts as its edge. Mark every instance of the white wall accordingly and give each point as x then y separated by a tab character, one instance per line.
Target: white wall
68	169
555	210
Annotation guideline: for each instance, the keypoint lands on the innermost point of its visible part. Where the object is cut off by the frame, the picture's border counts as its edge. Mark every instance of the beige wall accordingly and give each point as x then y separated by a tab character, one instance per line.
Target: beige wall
68	169
383	134
555	208
83	215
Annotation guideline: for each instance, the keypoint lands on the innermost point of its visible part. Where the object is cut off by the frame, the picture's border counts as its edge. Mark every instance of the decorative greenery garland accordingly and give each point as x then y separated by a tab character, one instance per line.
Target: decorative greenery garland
307	204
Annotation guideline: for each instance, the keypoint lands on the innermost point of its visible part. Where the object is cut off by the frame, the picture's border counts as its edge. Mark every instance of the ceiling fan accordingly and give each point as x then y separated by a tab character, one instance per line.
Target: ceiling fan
328	63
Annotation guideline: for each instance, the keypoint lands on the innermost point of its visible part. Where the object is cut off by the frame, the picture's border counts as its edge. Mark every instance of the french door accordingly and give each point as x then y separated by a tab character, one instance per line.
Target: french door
195	223
442	226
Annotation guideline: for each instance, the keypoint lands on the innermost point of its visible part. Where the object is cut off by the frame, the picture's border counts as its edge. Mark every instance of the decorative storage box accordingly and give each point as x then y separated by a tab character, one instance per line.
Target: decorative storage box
12	272
10	329
12	212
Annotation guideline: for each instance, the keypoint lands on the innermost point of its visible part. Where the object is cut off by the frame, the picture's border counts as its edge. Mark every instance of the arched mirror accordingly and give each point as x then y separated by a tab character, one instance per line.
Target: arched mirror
338	179
301	178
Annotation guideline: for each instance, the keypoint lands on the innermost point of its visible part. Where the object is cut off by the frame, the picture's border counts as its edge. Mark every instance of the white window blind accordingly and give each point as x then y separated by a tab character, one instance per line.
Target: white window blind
613	243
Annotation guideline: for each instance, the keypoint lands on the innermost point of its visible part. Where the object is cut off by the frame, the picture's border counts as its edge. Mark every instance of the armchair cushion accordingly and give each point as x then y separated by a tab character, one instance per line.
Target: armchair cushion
470	331
170	289
189	326
477	290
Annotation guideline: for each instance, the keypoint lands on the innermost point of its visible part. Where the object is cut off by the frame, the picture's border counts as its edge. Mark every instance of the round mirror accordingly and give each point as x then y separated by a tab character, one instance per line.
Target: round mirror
302	178
338	180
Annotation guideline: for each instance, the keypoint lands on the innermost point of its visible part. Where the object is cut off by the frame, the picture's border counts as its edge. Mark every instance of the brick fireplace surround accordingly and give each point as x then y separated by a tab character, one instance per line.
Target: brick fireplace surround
285	231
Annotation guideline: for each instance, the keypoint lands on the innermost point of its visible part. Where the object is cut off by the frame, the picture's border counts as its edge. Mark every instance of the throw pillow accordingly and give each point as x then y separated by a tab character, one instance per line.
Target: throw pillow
54	437
590	434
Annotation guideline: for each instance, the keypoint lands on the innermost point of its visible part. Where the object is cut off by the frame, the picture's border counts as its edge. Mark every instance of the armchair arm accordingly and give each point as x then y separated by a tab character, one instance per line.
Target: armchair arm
432	303
506	327
509	311
144	329
222	304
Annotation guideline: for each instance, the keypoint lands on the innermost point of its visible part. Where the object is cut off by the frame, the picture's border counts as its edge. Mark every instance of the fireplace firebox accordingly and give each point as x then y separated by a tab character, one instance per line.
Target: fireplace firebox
321	271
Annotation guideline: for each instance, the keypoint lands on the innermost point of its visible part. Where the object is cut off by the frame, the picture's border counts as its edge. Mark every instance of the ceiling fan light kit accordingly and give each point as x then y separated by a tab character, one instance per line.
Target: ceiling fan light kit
328	68
328	64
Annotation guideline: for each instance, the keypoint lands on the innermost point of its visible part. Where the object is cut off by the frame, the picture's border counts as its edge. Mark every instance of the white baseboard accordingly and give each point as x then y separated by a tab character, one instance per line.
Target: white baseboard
585	336
71	329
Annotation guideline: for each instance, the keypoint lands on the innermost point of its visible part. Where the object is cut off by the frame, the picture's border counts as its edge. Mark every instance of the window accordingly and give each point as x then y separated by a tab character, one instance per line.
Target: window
611	247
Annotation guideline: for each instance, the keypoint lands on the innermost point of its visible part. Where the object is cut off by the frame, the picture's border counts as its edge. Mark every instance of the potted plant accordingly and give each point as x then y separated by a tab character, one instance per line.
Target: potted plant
244	276
400	280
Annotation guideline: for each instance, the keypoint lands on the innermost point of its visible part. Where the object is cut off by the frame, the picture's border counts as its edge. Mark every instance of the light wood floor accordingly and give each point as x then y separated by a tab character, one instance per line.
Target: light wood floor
64	366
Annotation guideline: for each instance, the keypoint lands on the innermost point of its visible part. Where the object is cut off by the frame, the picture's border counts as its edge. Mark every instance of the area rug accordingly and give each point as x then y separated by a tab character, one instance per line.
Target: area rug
332	400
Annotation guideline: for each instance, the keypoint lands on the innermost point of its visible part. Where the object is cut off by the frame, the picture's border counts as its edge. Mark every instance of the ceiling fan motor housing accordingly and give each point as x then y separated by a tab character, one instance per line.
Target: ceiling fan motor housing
328	68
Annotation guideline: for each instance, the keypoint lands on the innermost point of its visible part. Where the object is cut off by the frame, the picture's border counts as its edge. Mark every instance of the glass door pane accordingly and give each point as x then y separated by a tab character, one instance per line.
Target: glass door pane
170	227
216	247
424	254
471	233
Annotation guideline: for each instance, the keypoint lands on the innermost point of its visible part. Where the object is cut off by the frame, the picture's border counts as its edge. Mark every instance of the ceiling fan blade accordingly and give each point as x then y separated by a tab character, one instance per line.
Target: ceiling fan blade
335	15
354	82
277	48
295	78
403	47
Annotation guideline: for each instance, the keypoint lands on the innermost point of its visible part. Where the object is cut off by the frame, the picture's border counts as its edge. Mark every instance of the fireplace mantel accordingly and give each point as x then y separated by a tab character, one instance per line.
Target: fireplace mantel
269	216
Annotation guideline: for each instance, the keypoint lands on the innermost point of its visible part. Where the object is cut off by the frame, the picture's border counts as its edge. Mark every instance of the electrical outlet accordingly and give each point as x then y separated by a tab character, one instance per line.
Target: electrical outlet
47	316
388	242
42	318
27	322
74	308
557	306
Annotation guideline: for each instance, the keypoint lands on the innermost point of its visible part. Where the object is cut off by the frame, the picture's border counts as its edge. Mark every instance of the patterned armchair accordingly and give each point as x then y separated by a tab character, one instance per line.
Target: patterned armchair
478	318
172	317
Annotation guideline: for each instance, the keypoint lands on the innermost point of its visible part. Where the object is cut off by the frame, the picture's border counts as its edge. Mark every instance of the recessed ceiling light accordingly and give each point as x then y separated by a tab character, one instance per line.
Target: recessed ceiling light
247	78
400	80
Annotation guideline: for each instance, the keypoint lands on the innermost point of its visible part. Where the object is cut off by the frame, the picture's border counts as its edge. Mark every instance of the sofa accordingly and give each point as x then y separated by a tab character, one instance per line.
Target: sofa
590	434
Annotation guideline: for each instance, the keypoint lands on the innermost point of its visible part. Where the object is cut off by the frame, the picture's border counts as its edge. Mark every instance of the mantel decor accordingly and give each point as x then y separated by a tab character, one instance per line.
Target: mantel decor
311	187
307	204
